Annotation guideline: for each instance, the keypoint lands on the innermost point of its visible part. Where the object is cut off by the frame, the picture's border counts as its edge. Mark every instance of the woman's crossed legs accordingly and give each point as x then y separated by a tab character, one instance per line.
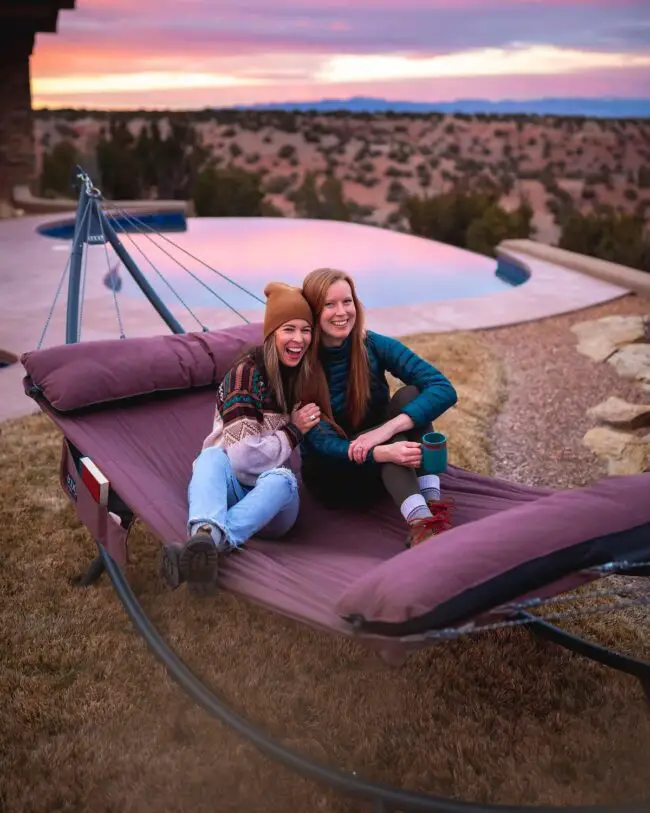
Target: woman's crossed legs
416	492
223	514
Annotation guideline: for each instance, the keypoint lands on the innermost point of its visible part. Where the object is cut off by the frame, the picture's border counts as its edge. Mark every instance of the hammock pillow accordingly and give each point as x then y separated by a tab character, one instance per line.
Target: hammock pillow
480	564
73	376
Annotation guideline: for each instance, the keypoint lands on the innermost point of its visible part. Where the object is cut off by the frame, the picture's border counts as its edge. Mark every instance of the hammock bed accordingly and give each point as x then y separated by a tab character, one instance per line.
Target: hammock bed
133	413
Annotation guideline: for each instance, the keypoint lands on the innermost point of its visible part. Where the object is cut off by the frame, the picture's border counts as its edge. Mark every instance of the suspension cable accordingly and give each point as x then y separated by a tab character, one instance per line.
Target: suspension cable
136	222
59	288
168	284
149	228
113	291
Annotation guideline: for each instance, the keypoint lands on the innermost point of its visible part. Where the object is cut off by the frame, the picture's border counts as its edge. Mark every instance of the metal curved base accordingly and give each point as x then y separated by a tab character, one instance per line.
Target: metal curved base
595	652
383	798
92	573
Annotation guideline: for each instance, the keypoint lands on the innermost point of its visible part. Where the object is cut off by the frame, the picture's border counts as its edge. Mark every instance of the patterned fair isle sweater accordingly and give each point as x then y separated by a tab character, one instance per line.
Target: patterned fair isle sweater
249	425
322	446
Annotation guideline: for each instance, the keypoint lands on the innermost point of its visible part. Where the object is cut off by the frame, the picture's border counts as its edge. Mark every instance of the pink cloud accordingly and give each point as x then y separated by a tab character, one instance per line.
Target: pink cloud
120	36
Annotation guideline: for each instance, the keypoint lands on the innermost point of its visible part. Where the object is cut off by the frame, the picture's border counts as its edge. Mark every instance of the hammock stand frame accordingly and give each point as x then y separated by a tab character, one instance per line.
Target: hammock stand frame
382	798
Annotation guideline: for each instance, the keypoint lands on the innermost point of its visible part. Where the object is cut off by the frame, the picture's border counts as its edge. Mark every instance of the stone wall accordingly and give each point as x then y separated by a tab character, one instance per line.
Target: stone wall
16	134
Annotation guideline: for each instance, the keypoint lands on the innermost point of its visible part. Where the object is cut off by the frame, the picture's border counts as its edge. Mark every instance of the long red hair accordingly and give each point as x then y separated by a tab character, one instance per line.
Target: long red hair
315	288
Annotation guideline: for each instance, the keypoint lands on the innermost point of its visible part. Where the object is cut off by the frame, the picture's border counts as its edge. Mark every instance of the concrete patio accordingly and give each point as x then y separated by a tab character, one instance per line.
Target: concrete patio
31	267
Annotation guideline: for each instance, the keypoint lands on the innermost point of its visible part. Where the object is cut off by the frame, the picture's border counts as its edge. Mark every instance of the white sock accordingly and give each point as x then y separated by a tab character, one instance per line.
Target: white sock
430	486
414	507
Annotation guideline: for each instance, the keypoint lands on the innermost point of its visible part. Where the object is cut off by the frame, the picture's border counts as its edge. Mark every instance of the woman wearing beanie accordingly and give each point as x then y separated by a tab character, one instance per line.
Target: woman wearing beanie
241	484
367	442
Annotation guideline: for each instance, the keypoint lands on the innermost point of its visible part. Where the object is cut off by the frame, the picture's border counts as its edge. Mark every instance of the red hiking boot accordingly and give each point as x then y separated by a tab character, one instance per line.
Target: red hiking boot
441	512
425	528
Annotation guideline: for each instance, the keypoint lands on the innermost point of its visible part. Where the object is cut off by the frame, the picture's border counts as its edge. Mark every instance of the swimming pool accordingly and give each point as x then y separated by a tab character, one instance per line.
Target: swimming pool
390	268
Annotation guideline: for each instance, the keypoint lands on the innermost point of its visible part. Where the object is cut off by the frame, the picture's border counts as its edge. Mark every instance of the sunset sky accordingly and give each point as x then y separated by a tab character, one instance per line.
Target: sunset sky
207	53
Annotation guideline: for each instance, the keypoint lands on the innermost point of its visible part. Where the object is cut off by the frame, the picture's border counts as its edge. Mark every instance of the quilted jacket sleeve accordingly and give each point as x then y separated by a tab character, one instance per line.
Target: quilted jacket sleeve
437	393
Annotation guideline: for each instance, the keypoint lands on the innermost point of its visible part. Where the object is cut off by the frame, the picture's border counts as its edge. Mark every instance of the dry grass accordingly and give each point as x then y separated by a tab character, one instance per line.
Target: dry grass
91	722
479	379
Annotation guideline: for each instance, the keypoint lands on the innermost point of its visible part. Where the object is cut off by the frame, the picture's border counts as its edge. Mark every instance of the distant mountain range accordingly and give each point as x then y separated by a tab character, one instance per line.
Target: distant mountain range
614	108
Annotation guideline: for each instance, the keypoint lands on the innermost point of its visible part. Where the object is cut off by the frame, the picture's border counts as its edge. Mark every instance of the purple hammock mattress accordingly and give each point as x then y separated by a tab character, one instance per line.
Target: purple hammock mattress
140	408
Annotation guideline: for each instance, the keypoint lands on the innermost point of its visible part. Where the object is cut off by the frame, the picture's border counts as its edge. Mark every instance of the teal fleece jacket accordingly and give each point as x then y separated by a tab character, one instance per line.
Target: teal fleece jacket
323	445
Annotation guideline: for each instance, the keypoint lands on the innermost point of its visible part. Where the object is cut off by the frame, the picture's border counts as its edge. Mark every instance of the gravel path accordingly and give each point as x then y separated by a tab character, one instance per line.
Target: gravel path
537	437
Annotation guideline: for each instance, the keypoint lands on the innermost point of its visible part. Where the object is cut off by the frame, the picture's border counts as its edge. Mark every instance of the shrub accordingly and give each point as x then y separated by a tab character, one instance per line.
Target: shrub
278	184
472	220
287	151
617	238
66	131
231	192
326	203
396	192
360	211
401	154
57	175
269	209
495	225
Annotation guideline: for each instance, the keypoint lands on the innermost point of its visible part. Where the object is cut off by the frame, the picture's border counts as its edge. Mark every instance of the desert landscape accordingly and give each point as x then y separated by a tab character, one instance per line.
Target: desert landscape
557	165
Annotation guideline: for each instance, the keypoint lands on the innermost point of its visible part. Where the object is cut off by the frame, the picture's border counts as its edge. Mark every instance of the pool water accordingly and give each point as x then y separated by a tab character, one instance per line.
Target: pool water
389	268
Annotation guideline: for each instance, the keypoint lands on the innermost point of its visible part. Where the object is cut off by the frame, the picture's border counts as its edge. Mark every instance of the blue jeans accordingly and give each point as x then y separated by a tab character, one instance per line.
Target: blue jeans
216	497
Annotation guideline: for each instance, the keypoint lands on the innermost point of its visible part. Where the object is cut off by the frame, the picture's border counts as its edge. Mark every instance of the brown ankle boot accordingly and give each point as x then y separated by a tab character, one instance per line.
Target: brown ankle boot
198	561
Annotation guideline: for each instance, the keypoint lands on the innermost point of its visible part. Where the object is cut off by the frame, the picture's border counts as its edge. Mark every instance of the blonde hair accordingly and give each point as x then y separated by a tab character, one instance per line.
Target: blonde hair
314	288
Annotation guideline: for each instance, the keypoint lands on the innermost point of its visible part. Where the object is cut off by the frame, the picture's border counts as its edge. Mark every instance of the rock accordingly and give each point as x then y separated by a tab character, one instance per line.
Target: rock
633	361
625	453
599	338
617	412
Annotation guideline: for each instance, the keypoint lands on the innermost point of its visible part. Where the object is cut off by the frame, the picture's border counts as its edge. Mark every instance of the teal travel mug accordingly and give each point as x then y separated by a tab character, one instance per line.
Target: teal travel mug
434	453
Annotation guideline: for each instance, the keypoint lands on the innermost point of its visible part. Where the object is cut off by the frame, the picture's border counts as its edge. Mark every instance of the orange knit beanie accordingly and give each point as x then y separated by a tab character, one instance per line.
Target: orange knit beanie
283	303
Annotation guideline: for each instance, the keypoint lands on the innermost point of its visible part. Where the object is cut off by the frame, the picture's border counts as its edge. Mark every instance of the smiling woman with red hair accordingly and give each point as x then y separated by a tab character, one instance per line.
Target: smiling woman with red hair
366	441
